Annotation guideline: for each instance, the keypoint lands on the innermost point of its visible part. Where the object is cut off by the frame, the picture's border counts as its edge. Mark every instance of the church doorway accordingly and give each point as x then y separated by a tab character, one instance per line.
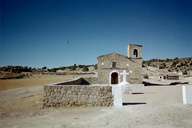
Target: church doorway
114	78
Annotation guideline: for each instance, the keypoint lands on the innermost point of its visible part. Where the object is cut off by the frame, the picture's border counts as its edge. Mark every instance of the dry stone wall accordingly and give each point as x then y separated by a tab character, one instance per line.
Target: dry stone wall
77	95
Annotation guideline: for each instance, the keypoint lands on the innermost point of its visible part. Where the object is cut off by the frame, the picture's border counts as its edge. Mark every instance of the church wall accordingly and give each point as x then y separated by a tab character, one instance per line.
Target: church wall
136	67
105	67
131	49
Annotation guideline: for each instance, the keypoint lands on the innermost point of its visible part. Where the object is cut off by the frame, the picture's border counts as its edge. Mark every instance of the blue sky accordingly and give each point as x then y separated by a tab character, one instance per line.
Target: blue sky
63	32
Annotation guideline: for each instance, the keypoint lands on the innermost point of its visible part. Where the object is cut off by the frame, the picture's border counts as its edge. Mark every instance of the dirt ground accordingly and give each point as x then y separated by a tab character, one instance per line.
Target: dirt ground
156	107
35	80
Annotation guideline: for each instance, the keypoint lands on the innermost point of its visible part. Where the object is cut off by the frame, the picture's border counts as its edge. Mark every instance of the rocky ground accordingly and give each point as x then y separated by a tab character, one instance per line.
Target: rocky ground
157	107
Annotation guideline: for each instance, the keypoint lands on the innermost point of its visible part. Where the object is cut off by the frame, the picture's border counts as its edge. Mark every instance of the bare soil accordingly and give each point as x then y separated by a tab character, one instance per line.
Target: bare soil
156	107
35	80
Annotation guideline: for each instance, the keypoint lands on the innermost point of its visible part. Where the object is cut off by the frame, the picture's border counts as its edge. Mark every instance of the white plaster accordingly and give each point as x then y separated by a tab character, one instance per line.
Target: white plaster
187	94
184	94
119	90
117	95
124	74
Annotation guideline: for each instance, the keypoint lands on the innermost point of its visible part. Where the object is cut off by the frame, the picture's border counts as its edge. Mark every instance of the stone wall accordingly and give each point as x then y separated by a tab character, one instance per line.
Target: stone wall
78	81
77	95
131	48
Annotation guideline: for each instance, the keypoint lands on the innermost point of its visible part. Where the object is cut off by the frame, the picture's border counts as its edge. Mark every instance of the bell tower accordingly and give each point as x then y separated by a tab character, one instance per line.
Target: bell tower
135	51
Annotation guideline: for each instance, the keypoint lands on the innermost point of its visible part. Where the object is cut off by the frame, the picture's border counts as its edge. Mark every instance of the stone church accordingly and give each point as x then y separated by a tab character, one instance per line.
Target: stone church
111	66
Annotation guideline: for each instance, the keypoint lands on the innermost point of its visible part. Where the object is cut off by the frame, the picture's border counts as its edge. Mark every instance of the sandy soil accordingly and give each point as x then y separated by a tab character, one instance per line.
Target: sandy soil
35	80
157	107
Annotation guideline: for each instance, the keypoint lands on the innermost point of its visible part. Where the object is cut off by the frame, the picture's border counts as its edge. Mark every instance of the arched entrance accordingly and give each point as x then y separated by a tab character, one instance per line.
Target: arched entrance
135	53
114	78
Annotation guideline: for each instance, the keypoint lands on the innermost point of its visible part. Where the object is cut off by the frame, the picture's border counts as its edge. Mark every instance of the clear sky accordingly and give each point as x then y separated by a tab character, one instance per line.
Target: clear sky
64	32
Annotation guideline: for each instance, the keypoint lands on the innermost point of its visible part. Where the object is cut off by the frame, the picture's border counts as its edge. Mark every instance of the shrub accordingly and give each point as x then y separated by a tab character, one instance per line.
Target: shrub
74	67
146	76
162	66
95	66
85	69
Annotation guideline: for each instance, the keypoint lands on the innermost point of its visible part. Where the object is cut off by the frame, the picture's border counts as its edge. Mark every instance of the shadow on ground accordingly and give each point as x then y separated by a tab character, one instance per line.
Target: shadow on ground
133	103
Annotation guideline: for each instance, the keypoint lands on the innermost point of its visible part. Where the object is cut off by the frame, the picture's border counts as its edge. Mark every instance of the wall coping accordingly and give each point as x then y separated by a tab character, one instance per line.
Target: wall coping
56	84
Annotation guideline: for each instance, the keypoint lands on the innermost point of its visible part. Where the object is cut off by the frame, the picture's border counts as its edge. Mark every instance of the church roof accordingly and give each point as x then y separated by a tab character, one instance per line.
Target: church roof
114	53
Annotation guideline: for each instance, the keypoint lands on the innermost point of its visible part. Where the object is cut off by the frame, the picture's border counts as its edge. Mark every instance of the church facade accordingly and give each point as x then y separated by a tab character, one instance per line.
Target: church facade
111	66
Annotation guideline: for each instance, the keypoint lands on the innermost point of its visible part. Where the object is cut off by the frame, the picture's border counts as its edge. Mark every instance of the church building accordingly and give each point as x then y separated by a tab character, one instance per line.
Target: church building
111	66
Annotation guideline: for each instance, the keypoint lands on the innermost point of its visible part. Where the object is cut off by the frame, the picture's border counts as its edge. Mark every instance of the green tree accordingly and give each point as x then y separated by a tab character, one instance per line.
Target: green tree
44	68
74	67
95	66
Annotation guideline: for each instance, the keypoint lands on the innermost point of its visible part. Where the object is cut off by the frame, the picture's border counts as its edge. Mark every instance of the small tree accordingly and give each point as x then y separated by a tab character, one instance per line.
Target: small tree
44	68
95	66
74	67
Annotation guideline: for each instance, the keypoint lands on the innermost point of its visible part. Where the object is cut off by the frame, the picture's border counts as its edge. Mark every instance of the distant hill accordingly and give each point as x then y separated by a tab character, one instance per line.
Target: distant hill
183	65
75	67
17	72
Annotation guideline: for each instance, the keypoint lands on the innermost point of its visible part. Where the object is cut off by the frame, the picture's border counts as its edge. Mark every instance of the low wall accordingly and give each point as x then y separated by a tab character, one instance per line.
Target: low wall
187	94
77	95
78	81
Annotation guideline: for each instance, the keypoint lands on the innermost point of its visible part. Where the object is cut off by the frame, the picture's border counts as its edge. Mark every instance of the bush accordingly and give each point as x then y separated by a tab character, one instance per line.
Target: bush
85	69
146	76
74	67
95	66
162	66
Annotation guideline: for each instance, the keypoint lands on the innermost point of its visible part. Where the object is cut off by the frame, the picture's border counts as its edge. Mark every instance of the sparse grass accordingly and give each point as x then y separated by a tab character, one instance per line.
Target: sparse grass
35	80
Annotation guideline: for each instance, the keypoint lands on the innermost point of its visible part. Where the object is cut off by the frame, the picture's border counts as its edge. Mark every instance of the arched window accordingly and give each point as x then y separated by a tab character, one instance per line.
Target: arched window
135	53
